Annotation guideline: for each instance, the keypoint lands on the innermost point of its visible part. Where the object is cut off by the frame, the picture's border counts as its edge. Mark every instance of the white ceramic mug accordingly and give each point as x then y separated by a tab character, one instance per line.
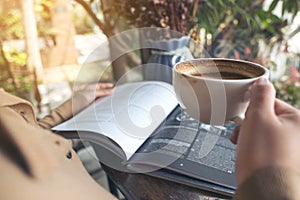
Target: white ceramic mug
212	90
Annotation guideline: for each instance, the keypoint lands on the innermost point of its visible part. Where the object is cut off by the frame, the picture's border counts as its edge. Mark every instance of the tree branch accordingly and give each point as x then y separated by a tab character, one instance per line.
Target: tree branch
92	15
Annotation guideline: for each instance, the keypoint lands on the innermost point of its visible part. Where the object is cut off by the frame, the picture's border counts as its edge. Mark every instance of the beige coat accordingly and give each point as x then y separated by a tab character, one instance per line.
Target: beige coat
36	164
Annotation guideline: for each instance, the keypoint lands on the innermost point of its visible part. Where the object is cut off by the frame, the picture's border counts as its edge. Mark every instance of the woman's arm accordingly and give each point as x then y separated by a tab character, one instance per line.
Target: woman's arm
79	101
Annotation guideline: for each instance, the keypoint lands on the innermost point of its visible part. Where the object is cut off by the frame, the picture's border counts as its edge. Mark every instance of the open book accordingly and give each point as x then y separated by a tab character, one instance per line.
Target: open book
152	134
129	116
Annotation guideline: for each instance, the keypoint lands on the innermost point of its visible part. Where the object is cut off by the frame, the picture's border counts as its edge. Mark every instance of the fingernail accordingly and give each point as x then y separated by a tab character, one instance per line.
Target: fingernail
262	81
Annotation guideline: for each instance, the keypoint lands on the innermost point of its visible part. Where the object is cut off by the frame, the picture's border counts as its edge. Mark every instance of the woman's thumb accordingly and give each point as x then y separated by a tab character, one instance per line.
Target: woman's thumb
262	96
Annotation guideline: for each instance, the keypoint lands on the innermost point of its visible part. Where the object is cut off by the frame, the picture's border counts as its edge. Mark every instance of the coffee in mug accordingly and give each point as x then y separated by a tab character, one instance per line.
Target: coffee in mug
212	90
222	75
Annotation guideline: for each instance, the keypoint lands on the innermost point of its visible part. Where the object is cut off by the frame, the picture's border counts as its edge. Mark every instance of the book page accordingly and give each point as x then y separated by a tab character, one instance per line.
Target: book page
128	116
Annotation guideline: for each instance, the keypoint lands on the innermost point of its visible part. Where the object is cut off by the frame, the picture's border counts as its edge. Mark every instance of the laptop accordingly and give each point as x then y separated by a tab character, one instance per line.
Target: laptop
192	153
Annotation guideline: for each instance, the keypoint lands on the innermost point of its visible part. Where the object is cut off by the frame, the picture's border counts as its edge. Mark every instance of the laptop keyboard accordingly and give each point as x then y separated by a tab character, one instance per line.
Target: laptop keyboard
183	137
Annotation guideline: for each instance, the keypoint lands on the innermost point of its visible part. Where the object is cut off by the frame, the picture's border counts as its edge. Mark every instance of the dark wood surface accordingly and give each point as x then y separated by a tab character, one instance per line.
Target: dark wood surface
135	186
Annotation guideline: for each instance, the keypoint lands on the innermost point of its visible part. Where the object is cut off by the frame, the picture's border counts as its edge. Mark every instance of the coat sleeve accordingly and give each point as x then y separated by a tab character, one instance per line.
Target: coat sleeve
64	111
270	184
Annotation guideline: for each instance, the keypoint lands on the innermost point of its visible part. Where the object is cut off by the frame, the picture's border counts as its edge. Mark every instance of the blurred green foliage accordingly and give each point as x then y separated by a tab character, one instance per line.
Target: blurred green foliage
239	25
12	60
82	21
15	57
288	90
14	76
11	24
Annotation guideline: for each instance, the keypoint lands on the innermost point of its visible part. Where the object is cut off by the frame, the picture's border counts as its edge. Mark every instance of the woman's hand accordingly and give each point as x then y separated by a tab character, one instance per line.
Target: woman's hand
89	93
269	135
93	92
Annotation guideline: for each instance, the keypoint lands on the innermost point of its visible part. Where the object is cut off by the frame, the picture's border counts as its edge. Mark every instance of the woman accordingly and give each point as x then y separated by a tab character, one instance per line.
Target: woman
37	164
